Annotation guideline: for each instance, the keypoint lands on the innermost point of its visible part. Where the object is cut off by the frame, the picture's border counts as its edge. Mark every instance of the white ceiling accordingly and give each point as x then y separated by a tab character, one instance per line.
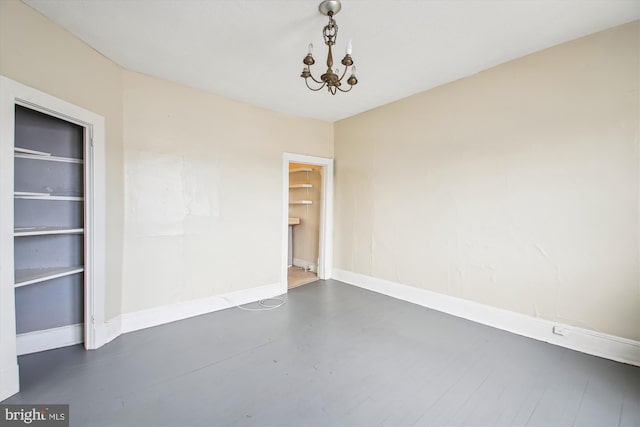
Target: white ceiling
252	50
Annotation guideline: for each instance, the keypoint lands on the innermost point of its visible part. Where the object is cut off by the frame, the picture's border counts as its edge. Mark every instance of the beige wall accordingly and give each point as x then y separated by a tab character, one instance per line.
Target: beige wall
40	54
516	187
203	184
306	236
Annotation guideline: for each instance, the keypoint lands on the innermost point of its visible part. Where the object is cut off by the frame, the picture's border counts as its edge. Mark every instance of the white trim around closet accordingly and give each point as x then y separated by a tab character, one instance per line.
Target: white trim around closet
13	93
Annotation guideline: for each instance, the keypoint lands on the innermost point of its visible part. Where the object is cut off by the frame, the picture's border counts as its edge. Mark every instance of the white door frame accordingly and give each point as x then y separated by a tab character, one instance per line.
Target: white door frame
13	93
325	250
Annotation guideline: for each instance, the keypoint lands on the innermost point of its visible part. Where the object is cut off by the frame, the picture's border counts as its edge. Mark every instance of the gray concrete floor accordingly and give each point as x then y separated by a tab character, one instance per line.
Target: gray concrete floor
334	355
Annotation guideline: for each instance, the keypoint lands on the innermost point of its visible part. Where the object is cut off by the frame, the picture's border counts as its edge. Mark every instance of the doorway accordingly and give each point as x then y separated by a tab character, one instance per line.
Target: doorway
305	190
52	193
307	219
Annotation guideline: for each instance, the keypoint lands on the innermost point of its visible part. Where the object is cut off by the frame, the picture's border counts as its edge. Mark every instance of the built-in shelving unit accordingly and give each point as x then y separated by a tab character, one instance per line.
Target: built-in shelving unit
48	229
300	185
52	228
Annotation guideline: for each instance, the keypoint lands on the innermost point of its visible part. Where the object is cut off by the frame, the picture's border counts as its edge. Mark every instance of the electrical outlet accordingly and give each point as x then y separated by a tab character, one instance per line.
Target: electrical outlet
558	330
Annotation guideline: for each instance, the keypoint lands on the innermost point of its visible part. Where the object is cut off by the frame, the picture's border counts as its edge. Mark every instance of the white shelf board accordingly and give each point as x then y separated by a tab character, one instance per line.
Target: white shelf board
301	186
29	193
42	231
48	158
301	202
32	152
36	275
44	196
300	170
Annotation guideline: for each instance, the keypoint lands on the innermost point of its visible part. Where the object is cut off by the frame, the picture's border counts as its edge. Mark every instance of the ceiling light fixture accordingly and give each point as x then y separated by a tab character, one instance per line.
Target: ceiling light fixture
330	79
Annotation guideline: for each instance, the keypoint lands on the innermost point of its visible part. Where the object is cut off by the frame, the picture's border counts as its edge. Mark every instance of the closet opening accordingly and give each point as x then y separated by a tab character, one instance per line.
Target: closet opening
48	231
308	220
52	227
305	191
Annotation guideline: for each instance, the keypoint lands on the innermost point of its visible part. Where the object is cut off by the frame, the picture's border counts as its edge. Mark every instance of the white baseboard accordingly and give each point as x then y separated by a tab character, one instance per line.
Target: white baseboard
48	339
33	342
9	381
303	263
108	331
142	319
584	340
170	313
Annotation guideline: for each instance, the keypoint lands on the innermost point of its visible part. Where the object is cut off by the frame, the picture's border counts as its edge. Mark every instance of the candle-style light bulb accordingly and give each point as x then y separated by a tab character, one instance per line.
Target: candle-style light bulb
353	80
349	47
310	48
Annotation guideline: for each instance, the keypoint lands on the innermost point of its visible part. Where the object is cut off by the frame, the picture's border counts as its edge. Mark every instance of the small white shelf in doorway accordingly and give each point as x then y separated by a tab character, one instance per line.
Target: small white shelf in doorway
301	202
300	170
301	186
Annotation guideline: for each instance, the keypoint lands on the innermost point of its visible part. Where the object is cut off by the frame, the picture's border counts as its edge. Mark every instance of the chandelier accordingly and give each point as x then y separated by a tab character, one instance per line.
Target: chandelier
331	79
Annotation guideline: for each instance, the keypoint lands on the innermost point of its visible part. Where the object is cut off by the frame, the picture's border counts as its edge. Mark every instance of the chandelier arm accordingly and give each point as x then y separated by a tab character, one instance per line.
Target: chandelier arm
342	90
317	81
344	73
306	81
